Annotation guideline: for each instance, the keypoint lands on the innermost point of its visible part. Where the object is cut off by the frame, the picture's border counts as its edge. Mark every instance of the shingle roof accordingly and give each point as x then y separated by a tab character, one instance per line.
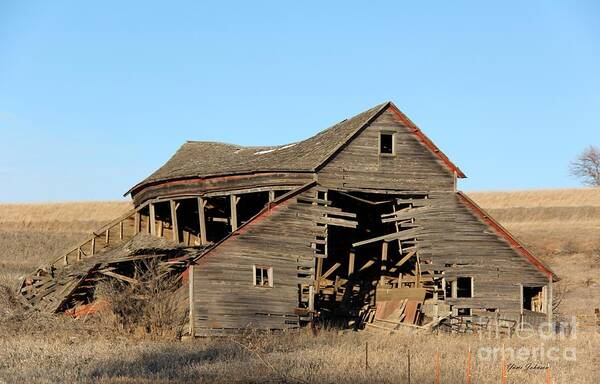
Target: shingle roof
206	159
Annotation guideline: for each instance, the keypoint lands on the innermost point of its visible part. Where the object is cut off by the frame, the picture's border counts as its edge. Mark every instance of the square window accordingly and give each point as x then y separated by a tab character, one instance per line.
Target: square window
263	276
464	287
386	143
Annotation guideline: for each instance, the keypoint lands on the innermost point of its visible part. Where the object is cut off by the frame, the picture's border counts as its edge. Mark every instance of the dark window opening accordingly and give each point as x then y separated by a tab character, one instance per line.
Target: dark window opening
263	276
464	287
386	143
464	312
533	299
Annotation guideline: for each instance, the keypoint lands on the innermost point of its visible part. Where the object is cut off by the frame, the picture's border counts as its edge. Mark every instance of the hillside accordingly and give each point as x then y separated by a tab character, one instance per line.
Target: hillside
563	228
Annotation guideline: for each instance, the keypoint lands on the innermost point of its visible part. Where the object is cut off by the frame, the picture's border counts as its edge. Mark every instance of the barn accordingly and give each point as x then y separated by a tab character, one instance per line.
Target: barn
359	226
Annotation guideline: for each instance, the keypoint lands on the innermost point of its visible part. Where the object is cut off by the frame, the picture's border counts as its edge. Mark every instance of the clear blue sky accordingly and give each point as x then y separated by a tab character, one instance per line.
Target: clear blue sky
94	97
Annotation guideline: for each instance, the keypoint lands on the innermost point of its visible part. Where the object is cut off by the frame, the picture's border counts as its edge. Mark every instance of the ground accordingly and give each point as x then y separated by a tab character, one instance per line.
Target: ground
560	226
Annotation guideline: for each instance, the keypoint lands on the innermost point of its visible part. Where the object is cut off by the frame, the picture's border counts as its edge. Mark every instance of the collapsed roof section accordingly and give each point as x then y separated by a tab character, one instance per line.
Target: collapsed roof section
203	159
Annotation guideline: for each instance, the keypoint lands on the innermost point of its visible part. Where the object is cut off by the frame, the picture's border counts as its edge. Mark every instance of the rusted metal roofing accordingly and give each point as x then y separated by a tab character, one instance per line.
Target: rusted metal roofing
200	159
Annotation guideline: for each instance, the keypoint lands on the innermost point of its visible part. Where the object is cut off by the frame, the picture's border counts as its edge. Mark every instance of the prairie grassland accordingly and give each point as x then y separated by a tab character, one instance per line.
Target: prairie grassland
549	221
562	227
291	358
34	234
559	225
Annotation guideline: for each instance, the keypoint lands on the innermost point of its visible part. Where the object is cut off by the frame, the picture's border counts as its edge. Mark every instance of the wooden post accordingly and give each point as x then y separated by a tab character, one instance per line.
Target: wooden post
160	228
233	200
191	298
93	246
548	374
152	219
408	365
318	274
79	254
521	306
137	223
384	256
271	196
311	297
202	220
437	368
351	258
366	355
418	264
121	231
107	237
503	367
549	300
176	237
469	366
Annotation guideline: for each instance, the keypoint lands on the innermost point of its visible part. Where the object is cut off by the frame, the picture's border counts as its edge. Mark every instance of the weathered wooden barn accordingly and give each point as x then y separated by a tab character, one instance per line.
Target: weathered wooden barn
361	223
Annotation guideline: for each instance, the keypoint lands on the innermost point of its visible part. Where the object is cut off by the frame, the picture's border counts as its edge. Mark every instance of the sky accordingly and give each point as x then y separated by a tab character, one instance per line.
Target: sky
94	96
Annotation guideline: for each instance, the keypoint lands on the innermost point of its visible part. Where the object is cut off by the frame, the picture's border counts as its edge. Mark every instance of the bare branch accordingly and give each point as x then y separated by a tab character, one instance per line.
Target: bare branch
587	167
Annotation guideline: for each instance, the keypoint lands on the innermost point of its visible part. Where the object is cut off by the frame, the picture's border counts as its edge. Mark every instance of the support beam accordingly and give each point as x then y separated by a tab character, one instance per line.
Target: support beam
311	297
137	223
318	273
191	316
107	237
175	226
202	220
271	196
549	300
121	231
93	246
160	228
152	219
384	256
333	268
233	199
351	257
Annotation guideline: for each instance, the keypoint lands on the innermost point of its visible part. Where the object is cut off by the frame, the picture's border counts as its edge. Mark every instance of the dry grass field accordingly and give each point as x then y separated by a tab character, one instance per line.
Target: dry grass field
561	226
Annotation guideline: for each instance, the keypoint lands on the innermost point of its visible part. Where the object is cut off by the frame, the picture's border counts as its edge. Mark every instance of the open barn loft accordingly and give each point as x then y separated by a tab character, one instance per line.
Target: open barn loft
359	225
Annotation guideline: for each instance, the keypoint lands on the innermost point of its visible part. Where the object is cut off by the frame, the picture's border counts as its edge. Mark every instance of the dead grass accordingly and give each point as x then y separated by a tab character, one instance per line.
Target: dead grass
559	224
290	357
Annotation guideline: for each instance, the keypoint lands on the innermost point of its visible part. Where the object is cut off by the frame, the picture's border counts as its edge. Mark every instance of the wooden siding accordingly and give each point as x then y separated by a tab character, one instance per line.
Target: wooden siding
224	184
453	235
224	295
360	166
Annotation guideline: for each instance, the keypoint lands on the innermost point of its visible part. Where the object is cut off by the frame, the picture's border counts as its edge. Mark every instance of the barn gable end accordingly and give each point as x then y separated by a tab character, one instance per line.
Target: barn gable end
414	165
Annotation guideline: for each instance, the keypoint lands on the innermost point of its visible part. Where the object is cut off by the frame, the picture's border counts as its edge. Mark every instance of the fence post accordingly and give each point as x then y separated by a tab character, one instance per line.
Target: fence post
503	367
366	355
469	366
437	368
408	365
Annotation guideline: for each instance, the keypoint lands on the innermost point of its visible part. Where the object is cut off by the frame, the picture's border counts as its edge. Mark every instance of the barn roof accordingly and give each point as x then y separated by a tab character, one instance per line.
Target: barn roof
200	159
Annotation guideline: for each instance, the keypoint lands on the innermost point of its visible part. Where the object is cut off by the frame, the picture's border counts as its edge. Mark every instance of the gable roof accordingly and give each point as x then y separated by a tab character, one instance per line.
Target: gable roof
201	159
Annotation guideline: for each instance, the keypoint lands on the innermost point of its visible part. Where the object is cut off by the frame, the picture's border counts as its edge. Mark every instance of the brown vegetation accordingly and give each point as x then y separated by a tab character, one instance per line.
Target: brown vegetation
36	348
